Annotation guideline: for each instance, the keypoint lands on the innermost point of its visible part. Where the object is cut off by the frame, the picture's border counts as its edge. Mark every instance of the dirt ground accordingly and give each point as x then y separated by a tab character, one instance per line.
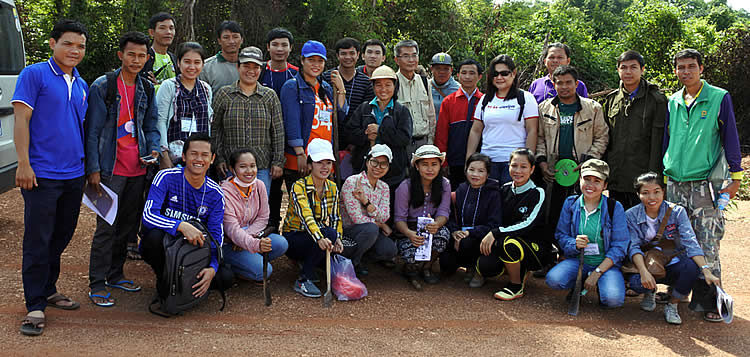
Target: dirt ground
447	319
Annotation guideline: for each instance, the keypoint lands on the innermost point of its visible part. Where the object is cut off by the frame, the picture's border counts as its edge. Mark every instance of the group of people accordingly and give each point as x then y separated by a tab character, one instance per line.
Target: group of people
180	137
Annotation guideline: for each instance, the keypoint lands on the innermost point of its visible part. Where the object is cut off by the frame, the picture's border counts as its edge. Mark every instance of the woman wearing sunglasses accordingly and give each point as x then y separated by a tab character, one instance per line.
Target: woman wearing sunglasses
506	120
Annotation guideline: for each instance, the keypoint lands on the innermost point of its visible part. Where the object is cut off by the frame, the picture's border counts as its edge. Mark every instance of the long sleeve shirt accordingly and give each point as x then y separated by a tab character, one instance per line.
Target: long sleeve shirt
306	212
353	212
245	216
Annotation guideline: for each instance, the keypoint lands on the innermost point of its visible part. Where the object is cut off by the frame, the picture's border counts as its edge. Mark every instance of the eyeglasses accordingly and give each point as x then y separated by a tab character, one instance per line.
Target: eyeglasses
503	73
408	57
382	164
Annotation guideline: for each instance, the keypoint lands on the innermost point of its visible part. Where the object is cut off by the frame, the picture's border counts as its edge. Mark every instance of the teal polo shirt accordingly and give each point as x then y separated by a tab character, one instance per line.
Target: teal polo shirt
56	125
591	225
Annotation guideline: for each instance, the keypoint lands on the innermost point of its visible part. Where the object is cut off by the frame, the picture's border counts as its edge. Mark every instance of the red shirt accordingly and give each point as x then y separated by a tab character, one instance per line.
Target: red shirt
455	108
128	161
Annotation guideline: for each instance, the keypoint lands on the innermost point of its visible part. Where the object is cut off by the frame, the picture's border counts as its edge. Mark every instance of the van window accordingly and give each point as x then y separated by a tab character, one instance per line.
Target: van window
11	43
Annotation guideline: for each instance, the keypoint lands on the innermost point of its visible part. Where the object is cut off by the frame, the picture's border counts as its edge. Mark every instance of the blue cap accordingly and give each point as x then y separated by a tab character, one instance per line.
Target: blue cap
314	48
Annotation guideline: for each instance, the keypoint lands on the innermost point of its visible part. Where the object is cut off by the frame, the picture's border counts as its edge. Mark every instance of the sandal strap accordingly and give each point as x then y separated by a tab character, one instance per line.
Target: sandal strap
35	321
57	297
101	296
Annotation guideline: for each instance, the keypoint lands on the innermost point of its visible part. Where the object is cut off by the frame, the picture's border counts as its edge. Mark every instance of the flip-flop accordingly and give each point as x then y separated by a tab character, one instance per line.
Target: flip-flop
121	285
133	253
32	326
717	317
102	304
53	300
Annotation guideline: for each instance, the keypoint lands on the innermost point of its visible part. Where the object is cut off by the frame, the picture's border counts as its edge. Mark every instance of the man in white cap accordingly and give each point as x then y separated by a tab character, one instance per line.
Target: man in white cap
313	223
248	115
365	209
442	81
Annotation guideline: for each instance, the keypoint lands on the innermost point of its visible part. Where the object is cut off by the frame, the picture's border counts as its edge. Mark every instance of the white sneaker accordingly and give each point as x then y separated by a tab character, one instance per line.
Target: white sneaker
477	281
649	301
671	314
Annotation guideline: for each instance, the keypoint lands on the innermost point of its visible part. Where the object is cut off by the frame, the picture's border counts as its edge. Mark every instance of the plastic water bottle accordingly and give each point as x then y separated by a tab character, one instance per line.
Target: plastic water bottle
723	201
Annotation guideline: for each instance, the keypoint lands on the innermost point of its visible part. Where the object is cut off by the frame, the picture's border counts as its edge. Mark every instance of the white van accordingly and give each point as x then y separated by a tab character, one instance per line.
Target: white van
12	61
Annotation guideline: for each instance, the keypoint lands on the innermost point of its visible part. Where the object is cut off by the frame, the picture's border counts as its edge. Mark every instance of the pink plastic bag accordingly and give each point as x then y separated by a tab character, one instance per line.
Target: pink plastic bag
344	281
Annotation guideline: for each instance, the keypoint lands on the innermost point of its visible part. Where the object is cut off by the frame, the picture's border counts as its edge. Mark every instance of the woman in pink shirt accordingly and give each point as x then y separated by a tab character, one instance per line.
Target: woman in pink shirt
245	219
365	209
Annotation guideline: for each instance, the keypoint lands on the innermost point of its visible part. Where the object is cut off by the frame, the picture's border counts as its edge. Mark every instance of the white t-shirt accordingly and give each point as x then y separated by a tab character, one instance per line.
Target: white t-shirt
502	132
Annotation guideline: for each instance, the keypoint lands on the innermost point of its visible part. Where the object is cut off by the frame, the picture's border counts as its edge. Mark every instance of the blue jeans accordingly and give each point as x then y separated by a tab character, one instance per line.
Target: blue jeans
250	265
611	284
499	171
265	176
680	276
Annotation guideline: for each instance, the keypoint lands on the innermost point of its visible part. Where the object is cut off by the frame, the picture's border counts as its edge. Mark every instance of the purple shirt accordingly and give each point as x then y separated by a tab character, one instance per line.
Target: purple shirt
403	212
543	89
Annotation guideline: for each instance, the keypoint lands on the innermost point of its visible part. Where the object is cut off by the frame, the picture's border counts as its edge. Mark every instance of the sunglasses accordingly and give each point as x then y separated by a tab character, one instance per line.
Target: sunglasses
503	73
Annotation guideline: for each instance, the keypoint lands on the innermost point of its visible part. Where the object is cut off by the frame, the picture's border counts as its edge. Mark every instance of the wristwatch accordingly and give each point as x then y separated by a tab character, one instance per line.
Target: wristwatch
705	266
598	270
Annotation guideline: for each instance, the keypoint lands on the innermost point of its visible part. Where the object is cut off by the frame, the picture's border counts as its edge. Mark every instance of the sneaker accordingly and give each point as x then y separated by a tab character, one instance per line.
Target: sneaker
477	281
469	275
671	314
306	288
510	292
649	301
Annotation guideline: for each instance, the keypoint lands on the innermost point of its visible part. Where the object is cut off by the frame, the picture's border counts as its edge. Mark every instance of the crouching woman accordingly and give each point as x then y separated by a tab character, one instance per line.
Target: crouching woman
644	223
590	227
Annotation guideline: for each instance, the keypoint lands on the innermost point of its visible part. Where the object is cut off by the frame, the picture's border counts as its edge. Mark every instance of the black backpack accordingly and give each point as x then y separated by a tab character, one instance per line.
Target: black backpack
183	262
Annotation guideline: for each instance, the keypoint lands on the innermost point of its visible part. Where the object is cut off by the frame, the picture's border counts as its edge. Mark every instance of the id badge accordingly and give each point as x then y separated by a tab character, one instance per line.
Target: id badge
188	125
591	249
324	118
466	228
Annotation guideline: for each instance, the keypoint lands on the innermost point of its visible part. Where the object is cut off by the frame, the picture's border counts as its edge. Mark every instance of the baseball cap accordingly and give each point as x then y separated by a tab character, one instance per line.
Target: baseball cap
595	167
441	58
251	54
319	150
383	72
381	150
314	48
427	152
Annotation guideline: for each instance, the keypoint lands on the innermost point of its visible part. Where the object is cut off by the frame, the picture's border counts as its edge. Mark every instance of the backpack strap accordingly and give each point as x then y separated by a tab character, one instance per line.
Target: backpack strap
217	277
521	98
424	83
111	92
438	89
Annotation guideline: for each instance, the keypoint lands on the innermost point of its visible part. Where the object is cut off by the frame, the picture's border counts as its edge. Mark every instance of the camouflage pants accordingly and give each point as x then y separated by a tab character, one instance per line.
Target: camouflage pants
708	222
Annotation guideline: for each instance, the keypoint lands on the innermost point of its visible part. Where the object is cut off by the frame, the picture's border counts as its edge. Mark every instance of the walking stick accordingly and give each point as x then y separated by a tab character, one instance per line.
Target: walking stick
266	290
575	299
328	297
335	137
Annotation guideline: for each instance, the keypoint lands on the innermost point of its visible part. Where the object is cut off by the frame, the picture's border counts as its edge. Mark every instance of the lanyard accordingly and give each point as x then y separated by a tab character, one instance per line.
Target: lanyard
127	101
286	74
184	197
476	207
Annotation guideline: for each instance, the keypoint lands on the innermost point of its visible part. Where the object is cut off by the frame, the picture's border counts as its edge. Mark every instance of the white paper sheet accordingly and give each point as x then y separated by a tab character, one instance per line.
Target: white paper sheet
424	251
104	205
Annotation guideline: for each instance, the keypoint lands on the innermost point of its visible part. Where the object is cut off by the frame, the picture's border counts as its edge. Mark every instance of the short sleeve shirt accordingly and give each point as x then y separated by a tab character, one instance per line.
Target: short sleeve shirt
58	102
503	132
127	162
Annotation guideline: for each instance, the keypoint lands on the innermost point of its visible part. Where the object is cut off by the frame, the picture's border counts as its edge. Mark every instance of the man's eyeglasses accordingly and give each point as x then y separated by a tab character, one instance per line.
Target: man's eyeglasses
382	164
503	73
408	57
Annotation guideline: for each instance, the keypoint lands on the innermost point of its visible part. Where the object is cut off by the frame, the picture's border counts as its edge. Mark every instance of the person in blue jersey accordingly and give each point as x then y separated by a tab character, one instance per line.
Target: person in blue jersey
49	105
176	196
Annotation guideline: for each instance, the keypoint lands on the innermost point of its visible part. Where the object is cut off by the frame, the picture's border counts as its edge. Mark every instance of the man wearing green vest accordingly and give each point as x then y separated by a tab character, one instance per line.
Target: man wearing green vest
700	129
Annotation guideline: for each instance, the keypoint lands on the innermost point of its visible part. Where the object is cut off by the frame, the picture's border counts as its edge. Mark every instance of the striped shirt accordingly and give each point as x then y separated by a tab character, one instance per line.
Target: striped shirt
253	121
173	200
306	212
358	90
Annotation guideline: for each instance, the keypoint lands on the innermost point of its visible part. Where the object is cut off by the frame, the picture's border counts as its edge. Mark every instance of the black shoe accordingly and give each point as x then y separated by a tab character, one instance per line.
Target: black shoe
430	277
361	270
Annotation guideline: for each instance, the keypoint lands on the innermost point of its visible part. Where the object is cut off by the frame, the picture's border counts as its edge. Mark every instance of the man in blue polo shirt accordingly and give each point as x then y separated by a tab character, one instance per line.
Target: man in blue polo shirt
50	105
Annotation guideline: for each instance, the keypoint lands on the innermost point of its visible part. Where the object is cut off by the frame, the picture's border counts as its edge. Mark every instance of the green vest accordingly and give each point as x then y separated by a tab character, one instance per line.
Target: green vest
694	140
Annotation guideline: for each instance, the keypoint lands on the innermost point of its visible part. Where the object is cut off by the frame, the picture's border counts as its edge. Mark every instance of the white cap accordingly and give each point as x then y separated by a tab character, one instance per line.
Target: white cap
319	150
381	150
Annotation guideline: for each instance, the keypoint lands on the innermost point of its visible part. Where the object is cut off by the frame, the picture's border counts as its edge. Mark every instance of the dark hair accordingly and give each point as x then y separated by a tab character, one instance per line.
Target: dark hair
66	25
404	43
138	38
346	43
159	17
478	156
648	177
373	42
630	55
469	62
229	25
235	156
279	32
556	45
197	137
321	91
416	191
563	70
523	152
688	53
186	47
491	74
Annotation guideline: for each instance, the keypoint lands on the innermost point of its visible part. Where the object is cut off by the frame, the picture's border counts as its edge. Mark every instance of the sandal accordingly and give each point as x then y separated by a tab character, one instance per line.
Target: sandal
712	316
32	326
133	253
663	298
123	284
56	298
632	293
107	299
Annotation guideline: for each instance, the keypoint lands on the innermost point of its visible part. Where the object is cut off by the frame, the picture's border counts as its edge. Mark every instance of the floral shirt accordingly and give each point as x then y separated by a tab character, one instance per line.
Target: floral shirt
353	212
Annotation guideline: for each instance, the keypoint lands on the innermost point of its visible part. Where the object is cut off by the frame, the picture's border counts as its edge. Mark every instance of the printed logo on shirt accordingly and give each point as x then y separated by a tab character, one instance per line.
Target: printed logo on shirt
202	210
174	199
670	230
523	209
172	213
566	120
504	106
704	114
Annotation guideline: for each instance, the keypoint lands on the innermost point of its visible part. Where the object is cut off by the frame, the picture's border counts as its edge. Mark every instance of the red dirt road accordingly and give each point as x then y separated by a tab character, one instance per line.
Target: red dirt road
446	319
